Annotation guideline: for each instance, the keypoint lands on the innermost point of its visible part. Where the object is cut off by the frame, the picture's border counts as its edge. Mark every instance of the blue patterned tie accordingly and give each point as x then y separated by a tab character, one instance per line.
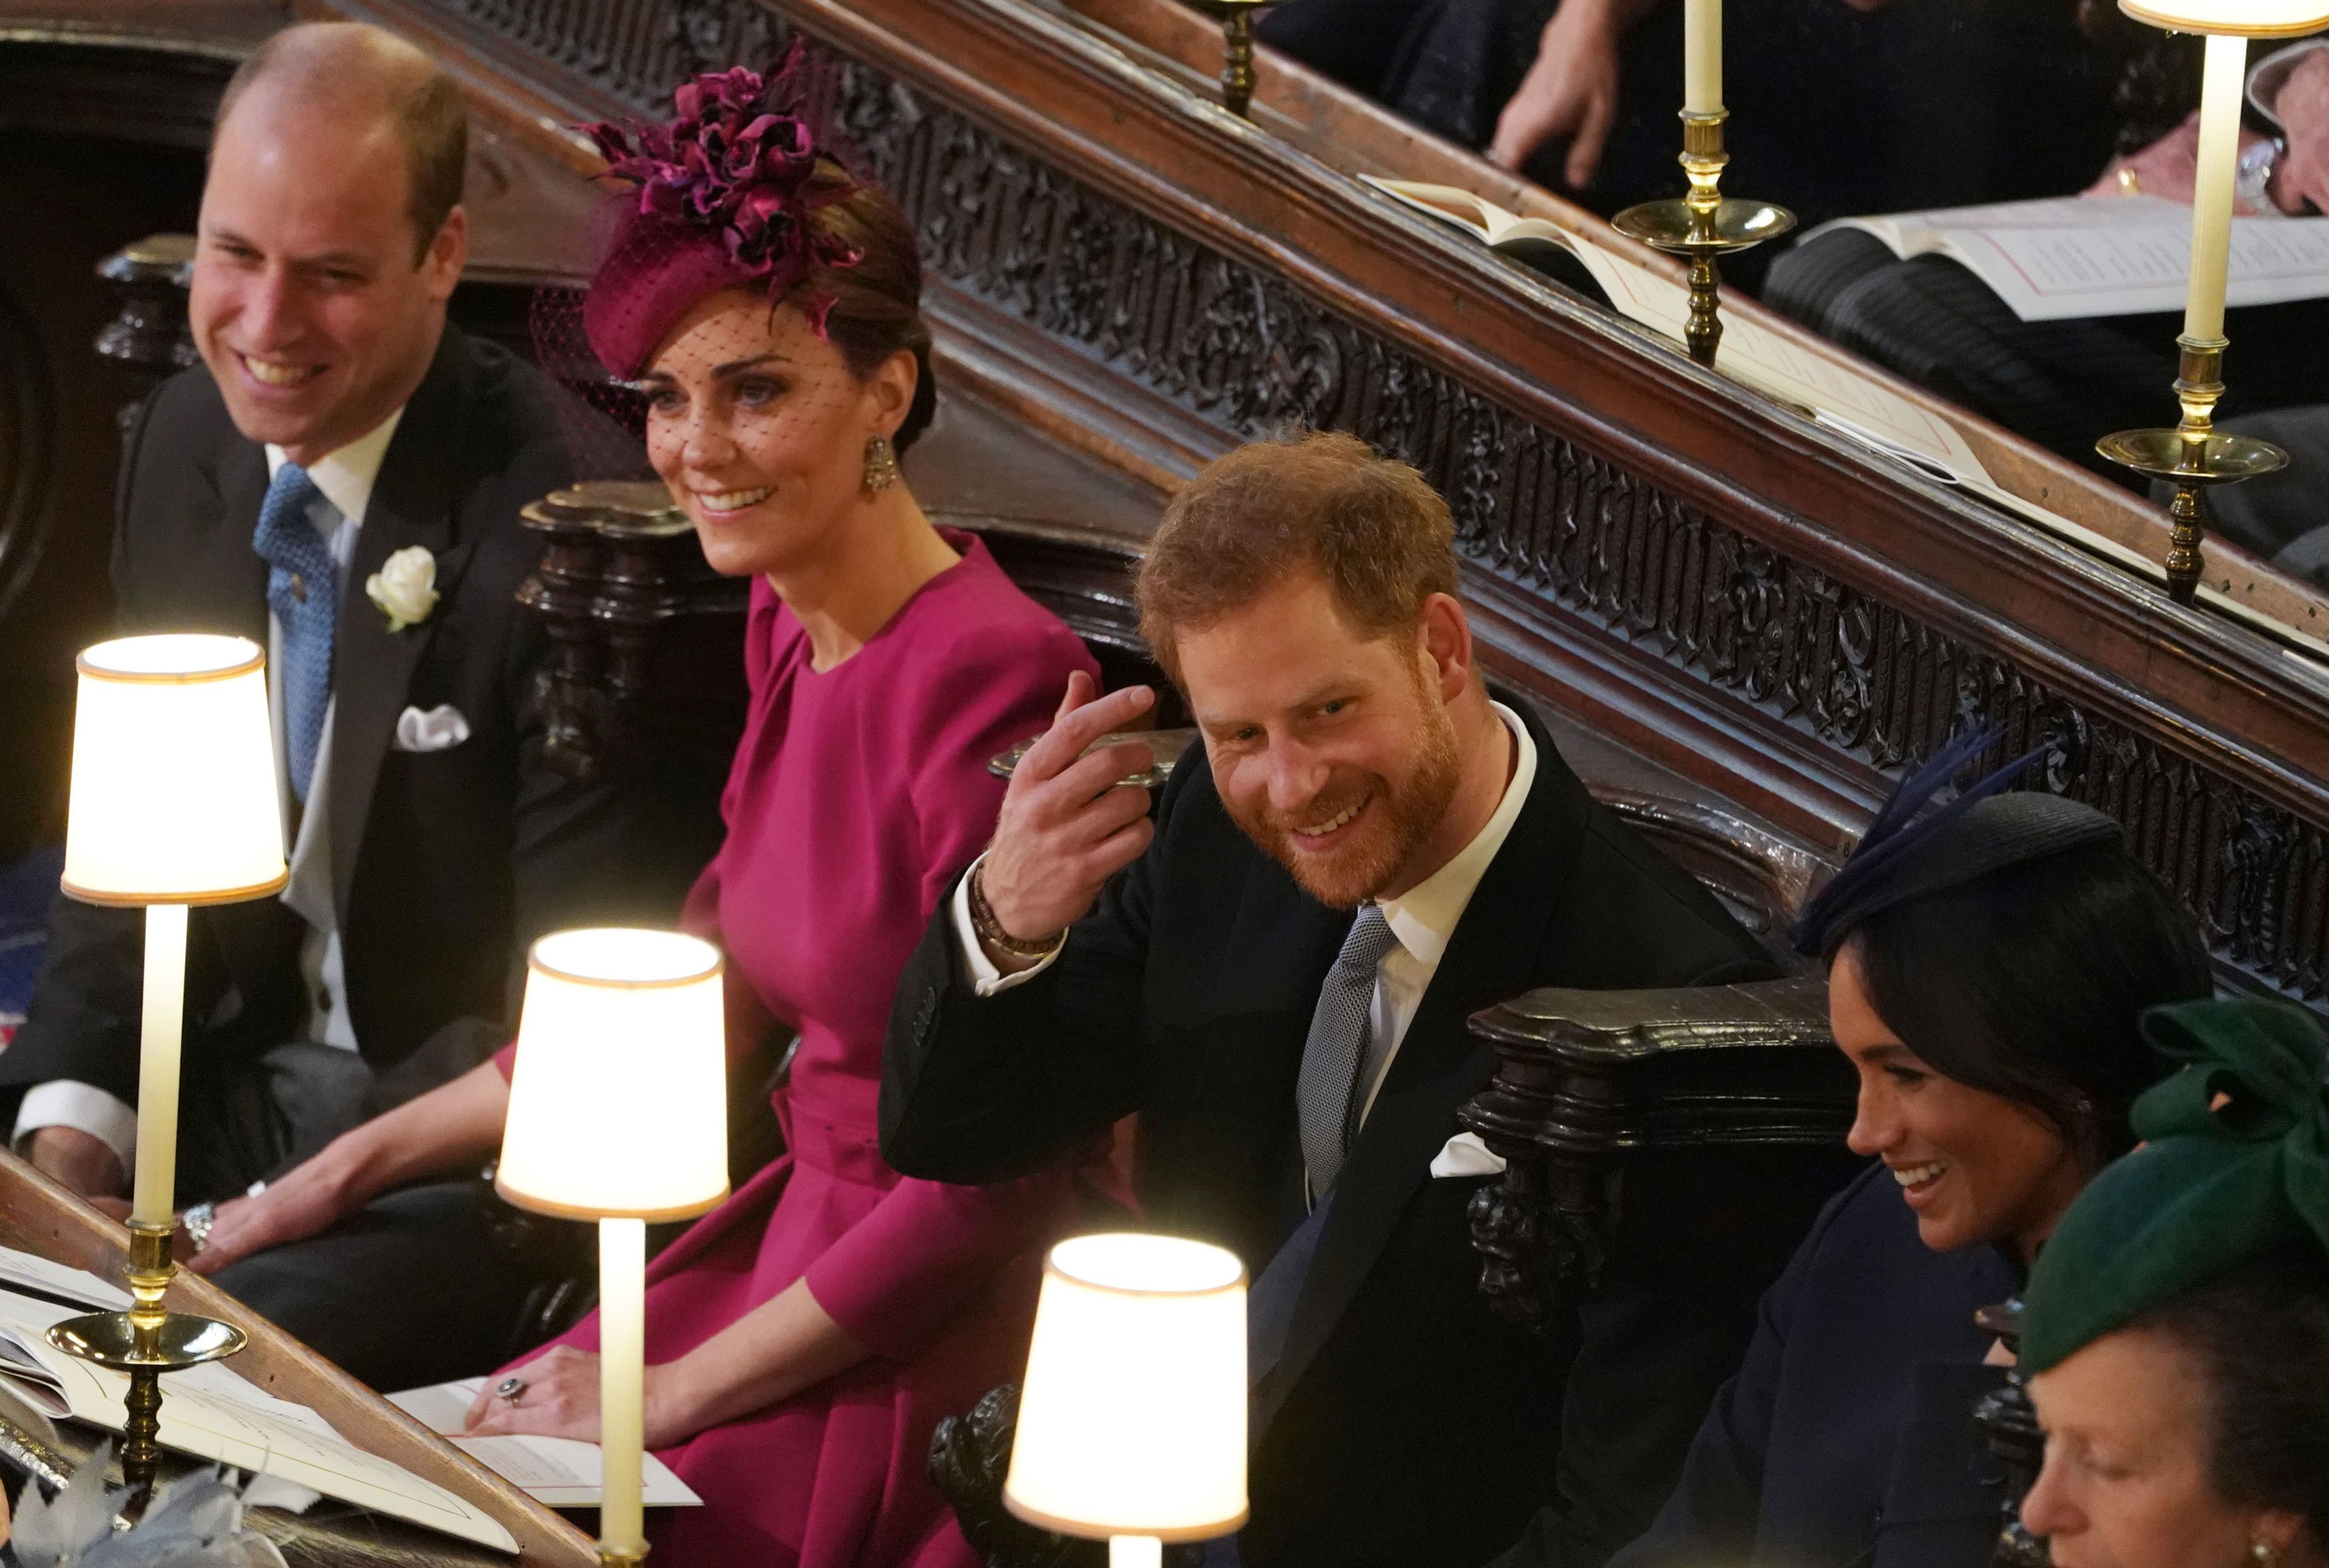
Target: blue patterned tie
1327	1091
303	590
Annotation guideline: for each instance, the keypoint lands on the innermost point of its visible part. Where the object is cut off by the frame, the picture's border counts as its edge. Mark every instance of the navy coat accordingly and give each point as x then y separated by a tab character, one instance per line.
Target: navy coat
1846	1440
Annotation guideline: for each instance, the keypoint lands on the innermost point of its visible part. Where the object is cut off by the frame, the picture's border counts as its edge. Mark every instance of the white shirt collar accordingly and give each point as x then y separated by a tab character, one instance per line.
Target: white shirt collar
346	475
1424	917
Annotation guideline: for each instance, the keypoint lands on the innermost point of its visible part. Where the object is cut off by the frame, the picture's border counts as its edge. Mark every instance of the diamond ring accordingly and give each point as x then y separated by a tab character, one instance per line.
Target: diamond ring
509	1388
198	1221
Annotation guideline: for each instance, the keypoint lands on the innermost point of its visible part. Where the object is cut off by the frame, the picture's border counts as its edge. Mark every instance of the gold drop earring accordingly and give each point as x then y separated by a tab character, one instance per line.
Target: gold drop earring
880	465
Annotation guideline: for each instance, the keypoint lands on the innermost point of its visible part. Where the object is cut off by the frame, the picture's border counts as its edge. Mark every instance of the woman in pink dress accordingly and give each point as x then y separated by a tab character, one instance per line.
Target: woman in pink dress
804	1338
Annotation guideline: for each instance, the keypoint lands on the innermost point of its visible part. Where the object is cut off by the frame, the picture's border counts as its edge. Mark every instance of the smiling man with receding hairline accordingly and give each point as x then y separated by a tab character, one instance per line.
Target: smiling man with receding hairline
339	480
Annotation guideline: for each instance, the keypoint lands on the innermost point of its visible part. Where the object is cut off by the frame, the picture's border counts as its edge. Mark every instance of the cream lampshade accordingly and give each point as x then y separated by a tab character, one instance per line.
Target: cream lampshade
172	803
618	1103
1132	1418
2241	18
618	1113
173	796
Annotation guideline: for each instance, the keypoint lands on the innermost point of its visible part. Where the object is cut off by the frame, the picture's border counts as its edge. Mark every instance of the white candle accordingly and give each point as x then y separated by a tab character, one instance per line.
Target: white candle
1135	1551
1701	57
622	1376
157	1065
2212	194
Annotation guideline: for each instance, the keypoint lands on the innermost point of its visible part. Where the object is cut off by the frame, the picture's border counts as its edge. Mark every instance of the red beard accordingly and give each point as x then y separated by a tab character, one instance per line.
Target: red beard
1399	817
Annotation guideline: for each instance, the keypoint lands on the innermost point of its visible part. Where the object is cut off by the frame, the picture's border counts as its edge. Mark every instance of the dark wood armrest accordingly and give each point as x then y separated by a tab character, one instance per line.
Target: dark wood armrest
1588	1080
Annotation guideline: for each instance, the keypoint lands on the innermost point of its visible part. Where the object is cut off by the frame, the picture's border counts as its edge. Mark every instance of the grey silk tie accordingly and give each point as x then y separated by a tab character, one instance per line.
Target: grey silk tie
1326	1094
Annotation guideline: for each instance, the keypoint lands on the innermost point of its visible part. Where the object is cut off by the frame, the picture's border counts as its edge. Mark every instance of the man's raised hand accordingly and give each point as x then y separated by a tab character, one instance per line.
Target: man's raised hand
1068	822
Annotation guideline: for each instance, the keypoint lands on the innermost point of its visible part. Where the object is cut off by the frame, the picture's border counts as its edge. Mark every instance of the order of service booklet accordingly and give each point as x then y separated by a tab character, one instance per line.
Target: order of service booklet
1838	394
1531	241
558	1471
2092	256
212	1412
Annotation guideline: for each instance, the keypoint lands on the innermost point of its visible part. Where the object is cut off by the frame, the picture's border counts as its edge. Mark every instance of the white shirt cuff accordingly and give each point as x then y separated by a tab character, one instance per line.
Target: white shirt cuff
66	1104
987	980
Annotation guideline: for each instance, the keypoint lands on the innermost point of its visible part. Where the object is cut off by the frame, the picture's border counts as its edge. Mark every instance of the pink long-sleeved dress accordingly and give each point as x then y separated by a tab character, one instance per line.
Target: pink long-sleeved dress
856	796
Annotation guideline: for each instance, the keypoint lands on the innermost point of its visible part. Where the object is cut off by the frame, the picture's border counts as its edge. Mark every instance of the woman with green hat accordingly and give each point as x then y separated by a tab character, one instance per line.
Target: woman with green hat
1988	958
2176	1326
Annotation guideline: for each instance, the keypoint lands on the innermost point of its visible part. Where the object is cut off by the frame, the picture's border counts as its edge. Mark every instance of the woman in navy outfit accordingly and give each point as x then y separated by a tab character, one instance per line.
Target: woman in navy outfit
1987	964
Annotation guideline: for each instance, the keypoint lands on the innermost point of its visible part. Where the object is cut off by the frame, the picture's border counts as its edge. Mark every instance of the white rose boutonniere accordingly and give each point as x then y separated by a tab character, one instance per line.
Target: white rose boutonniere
405	587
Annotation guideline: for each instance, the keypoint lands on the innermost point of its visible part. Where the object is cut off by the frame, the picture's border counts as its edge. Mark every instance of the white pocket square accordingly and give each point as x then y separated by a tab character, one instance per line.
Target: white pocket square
1465	1155
440	728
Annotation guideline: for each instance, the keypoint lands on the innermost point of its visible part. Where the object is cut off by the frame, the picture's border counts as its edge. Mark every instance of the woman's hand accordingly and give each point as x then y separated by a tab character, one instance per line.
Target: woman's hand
2168	168
560	1399
307	1202
1571	89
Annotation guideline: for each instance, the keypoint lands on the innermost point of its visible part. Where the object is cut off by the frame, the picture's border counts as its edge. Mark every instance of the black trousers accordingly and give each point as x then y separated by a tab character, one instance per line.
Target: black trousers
427	1283
2283	516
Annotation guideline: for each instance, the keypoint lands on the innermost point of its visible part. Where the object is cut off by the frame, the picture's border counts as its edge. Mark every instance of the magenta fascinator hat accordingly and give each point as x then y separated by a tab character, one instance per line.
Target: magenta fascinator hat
724	194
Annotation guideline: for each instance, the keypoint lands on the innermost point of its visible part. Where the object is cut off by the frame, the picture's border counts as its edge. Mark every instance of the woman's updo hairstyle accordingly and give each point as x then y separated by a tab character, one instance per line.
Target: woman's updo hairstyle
2013	942
877	301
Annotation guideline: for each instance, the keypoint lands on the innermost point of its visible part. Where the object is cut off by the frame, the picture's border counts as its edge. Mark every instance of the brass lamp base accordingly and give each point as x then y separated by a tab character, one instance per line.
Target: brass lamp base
2193	457
1702	227
146	1341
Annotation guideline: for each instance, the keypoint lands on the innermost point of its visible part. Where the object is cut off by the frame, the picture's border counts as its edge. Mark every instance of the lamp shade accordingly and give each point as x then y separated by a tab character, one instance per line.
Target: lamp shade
2241	18
174	797
619	1101
1132	1416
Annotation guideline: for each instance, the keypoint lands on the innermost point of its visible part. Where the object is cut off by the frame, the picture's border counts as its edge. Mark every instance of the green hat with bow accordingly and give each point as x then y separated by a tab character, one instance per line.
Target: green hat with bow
2213	1187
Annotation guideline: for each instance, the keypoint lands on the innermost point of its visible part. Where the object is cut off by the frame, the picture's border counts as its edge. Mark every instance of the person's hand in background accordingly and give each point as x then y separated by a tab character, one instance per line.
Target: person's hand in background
1570	91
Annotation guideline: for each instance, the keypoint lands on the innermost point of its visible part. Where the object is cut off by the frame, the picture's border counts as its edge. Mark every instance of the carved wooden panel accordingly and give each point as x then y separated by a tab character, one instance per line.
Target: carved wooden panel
1549	519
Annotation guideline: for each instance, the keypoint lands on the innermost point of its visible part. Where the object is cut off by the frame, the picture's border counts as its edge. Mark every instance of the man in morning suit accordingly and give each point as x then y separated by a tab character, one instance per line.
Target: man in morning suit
1368	849
339	480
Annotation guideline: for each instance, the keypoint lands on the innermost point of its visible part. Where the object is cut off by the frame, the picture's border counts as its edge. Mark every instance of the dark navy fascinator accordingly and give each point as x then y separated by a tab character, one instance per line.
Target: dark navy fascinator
1917	847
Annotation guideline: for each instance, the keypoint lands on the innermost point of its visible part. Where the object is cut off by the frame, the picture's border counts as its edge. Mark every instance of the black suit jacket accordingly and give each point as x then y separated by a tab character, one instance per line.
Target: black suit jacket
1405	1426
445	864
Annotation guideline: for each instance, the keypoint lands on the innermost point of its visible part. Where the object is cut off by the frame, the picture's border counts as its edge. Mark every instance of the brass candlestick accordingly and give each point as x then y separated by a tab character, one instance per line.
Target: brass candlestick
1702	227
2192	456
146	1341
1237	18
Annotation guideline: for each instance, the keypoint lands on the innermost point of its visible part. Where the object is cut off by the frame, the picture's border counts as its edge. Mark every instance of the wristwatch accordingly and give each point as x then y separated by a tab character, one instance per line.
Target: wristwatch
990	930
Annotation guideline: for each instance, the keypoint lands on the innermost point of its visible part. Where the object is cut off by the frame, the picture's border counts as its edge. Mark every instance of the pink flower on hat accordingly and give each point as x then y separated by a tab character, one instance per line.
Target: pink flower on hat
732	168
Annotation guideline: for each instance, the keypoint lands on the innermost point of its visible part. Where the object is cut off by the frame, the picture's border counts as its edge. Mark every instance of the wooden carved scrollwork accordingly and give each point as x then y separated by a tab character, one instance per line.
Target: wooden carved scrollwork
647	639
970	1456
1536	1251
149	336
1563	539
1588	1081
2010	1431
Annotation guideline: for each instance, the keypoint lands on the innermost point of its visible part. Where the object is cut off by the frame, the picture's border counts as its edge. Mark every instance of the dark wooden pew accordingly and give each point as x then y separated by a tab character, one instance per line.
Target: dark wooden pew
1133	279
